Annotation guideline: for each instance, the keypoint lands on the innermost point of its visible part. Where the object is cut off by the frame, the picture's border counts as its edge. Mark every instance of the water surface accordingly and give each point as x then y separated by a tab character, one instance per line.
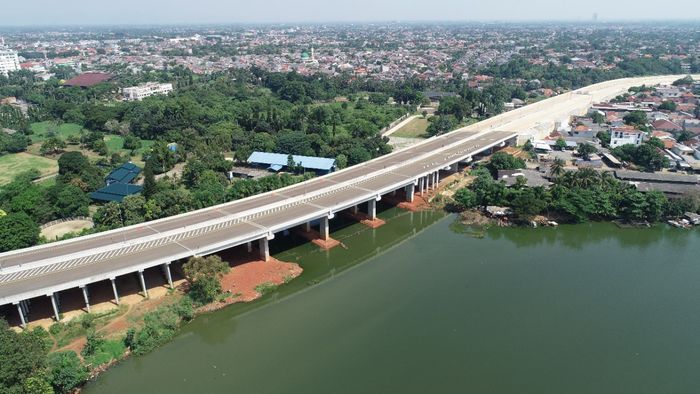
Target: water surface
416	307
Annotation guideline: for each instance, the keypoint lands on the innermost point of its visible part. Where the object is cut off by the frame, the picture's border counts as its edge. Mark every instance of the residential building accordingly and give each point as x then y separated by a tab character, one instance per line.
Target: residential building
146	90
624	136
9	61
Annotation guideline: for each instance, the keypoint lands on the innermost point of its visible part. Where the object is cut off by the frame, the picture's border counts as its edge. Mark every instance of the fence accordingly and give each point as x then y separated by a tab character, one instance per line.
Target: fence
49	224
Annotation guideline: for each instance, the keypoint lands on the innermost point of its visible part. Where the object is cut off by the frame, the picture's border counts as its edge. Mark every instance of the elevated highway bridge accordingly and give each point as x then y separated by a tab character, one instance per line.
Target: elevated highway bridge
47	270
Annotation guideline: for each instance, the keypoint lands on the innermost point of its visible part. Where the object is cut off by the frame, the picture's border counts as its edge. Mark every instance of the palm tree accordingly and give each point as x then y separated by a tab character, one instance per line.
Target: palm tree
557	168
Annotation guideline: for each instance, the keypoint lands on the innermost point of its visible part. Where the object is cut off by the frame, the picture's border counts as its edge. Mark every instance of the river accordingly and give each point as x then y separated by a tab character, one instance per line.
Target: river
417	307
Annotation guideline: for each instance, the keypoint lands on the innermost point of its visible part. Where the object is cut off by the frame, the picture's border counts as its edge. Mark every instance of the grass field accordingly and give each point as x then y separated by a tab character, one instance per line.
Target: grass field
115	143
42	130
414	129
11	165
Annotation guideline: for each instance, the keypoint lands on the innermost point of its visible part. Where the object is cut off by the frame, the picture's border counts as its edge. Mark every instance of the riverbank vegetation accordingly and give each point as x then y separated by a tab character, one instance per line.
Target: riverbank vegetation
575	196
41	361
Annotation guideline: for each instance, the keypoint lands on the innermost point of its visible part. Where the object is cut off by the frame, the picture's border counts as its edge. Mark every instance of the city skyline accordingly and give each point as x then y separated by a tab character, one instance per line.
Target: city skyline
81	12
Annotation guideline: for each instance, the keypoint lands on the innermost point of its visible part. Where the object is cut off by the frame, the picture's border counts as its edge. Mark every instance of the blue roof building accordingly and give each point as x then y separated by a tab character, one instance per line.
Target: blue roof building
115	192
277	161
124	174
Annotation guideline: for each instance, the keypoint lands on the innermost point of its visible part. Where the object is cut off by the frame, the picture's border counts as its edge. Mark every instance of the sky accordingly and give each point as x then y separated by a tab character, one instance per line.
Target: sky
149	12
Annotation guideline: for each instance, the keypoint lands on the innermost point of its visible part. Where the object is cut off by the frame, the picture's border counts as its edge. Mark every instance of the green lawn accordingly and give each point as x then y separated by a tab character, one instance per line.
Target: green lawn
42	130
414	129
13	164
115	143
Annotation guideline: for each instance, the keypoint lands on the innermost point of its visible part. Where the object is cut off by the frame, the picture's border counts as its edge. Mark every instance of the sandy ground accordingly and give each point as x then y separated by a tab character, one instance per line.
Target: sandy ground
61	229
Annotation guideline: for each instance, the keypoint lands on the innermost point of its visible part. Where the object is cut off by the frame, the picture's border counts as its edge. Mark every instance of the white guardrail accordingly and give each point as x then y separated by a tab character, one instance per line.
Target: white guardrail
491	124
230	219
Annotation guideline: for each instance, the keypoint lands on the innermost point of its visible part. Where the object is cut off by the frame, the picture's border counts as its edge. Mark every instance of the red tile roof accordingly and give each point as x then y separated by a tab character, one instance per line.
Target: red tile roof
88	79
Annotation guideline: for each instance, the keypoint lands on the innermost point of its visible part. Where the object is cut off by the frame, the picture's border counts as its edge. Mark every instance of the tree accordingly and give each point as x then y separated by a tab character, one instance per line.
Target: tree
598	117
668	106
504	161
440	125
108	216
465	198
22	356
149	181
204	274
636	118
67	372
71	202
52	146
72	163
586	150
341	161
17	230
557	168
560	144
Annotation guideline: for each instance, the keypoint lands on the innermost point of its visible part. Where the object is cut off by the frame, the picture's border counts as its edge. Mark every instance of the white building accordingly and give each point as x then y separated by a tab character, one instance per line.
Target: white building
623	137
9	61
149	89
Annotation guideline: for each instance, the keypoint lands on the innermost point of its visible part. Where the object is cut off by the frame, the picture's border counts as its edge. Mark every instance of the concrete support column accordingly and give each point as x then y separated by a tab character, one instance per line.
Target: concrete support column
307	226
355	209
54	304
410	189
250	247
437	179
23	321
393	193
323	228
264	249
421	185
86	297
372	209
143	284
114	289
168	275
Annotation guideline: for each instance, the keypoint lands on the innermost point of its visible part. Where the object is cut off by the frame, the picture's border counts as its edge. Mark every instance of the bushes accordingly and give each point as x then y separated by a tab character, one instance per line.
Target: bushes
66	371
159	326
204	273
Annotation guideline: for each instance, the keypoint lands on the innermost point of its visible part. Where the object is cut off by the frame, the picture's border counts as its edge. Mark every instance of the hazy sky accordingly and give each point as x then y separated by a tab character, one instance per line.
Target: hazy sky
42	12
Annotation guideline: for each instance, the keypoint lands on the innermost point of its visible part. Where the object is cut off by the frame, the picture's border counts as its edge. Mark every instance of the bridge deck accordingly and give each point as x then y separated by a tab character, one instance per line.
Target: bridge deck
48	268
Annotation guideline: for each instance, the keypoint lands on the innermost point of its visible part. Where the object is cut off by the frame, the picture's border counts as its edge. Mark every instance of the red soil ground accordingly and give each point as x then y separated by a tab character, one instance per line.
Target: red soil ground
364	219
315	237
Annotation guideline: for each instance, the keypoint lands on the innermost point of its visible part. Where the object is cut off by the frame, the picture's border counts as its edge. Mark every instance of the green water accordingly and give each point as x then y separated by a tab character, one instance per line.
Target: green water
578	309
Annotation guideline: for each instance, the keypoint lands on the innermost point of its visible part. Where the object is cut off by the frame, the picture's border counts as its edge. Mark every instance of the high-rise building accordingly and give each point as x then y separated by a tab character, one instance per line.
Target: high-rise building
9	61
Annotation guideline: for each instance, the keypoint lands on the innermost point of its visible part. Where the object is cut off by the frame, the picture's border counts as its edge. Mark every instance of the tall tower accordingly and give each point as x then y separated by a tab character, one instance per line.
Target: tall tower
312	54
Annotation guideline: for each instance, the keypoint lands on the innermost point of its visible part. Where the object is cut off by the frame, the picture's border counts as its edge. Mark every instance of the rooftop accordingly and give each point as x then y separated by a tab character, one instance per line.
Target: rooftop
115	192
656	177
86	80
124	174
279	160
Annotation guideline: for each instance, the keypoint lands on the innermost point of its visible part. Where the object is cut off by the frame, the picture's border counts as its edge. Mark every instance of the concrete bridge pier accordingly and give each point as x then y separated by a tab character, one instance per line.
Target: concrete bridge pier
168	275
86	297
114	289
143	284
410	190
307	227
250	246
421	185
323	228
372	209
22	317
355	209
264	249
54	304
